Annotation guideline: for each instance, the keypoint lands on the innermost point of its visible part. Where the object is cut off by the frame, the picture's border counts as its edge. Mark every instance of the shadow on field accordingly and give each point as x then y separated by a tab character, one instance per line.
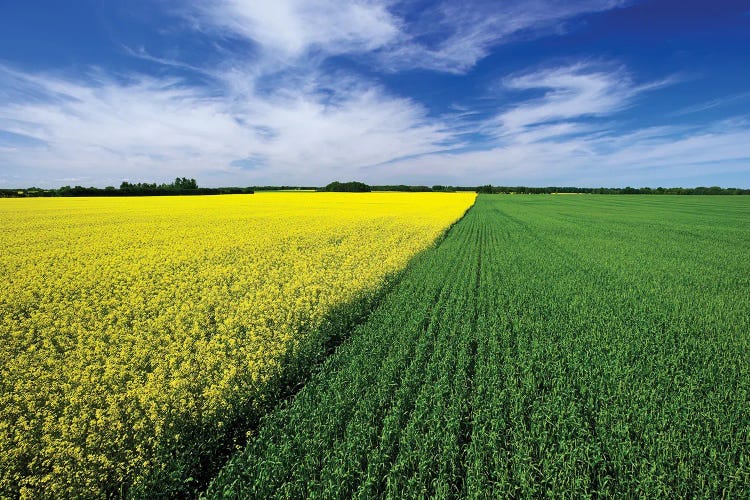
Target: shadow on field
184	468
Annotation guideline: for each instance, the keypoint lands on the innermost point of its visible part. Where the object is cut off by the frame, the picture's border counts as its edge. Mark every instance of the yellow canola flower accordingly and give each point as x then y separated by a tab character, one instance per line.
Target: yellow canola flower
123	318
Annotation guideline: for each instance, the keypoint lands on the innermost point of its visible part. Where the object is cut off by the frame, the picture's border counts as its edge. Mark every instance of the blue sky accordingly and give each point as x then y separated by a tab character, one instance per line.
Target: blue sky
248	92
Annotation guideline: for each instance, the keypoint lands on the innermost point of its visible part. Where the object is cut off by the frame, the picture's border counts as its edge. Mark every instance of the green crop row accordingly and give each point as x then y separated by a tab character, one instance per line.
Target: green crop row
572	346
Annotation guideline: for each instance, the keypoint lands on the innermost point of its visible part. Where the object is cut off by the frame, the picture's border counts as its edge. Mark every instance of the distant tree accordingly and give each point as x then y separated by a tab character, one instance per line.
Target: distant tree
401	187
348	187
183	183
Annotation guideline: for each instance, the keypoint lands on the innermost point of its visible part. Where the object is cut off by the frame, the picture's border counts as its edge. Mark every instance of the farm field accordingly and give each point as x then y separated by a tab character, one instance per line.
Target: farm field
139	337
568	345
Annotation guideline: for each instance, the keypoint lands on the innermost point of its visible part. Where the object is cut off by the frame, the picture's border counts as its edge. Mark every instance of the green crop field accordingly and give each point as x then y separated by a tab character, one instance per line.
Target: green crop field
566	345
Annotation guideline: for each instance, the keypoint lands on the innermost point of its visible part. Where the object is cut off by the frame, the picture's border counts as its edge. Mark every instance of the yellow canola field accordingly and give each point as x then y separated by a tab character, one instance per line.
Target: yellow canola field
123	319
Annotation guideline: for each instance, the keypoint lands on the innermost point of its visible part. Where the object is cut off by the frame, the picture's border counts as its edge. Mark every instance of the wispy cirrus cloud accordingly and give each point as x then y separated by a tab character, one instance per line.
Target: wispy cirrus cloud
569	92
712	104
289	29
570	135
449	36
646	157
343	127
453	36
125	128
572	94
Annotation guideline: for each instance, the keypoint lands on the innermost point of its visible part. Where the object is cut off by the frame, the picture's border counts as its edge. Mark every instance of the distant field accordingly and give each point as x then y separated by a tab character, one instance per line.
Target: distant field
571	346
138	335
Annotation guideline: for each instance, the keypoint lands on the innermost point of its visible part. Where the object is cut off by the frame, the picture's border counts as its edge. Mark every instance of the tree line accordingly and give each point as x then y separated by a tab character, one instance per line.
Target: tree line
180	186
490	189
185	186
700	190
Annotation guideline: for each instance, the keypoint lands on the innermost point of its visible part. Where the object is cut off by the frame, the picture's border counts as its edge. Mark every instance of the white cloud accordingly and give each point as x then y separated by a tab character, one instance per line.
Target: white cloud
567	137
291	28
637	160
99	130
712	104
449	36
571	94
147	128
454	36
